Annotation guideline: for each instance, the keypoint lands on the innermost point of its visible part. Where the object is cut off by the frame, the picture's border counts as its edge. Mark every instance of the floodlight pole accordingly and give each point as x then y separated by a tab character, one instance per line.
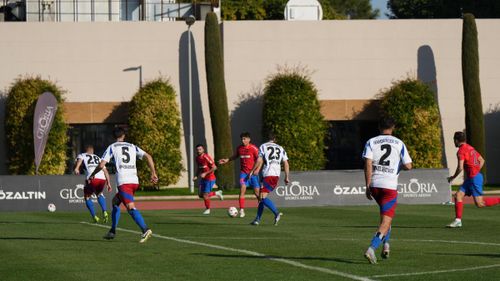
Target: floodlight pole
190	21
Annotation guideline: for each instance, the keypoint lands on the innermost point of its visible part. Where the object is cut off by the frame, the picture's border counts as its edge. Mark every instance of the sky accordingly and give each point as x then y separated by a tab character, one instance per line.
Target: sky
382	6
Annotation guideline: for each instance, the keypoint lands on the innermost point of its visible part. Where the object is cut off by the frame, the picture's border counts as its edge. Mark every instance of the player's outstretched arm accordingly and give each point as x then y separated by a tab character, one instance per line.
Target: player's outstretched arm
77	166
226	160
108	180
151	165
287	171
368	177
460	167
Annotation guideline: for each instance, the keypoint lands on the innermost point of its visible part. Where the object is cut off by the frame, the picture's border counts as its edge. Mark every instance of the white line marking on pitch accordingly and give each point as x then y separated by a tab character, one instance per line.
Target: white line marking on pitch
250	253
437	271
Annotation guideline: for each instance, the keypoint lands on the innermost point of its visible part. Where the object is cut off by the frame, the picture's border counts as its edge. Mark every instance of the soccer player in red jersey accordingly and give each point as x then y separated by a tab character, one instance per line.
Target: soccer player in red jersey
206	169
248	154
472	162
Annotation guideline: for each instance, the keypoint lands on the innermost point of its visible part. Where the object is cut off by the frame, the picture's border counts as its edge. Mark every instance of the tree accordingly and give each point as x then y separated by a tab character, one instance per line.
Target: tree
267	10
355	9
416	9
20	107
474	120
217	100
292	111
414	108
155	126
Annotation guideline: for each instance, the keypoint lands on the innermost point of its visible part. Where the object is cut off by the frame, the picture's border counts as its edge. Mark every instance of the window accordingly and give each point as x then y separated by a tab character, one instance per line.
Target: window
346	143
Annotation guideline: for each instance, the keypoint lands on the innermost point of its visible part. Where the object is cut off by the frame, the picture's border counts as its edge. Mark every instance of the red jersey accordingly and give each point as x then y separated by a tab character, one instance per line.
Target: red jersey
206	163
248	155
472	166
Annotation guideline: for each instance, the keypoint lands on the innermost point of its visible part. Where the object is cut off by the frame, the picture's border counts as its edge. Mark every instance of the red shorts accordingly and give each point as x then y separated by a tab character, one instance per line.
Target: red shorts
126	192
269	183
95	186
386	199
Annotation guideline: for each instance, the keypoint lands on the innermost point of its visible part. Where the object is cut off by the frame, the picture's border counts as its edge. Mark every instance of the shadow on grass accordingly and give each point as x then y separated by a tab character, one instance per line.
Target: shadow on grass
52	239
375	226
282	257
469	255
37	222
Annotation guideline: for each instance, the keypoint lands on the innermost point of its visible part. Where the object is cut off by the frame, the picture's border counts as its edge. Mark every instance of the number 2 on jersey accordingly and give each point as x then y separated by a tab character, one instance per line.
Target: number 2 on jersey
382	160
274	153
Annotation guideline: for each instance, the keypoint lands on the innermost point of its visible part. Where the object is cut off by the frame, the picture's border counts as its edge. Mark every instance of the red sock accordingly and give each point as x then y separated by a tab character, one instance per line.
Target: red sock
211	194
242	202
491	201
207	203
459	207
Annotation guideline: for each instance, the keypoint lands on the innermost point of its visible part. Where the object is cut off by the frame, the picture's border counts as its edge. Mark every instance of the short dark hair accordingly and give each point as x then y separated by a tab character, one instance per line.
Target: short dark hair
202	145
386	123
271	135
118	132
88	146
460	136
245	135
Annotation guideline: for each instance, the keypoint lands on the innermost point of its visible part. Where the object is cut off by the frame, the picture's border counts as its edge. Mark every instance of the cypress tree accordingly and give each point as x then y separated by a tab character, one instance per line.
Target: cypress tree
217	98
474	123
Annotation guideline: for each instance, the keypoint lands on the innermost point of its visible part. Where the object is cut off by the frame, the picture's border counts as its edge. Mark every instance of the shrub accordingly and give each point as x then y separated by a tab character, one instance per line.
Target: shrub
20	106
412	105
292	111
155	126
217	99
474	119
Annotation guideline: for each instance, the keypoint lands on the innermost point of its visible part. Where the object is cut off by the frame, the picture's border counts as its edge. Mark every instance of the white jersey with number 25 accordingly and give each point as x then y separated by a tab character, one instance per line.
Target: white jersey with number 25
125	155
387	153
273	155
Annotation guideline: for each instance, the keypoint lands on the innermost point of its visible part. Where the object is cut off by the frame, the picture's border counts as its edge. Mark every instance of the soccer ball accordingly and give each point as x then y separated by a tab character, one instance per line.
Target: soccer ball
51	207
232	212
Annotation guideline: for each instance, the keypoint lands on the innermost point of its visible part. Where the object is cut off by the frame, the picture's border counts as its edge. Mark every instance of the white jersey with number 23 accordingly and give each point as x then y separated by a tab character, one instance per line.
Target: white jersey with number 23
272	154
387	153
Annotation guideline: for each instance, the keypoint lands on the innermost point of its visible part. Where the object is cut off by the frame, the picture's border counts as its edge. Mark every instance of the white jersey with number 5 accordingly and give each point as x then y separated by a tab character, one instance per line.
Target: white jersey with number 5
387	153
125	155
90	162
273	155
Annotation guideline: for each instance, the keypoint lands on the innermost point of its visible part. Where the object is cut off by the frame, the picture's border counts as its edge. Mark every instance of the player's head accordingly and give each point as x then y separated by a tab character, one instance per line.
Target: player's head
459	138
271	136
200	149
245	138
89	148
119	133
386	124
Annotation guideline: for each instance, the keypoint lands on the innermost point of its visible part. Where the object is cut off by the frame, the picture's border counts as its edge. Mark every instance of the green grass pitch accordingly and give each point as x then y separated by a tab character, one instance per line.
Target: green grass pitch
324	243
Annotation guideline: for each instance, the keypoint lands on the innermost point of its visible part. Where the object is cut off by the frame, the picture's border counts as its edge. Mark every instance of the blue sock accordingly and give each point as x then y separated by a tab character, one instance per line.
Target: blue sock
115	217
102	202
377	240
136	215
90	206
387	236
268	203
260	210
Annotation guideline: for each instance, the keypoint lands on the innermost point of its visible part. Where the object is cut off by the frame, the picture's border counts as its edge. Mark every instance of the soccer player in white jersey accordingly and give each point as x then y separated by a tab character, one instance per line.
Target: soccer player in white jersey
384	156
96	185
125	155
271	155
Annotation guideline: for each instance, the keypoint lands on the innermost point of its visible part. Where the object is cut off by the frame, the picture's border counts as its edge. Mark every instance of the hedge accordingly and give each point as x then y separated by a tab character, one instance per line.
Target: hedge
292	111
418	124
155	126
20	106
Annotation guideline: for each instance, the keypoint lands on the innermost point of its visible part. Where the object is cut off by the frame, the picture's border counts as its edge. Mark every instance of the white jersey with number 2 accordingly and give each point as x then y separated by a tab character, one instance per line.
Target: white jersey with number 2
90	162
125	155
272	154
387	153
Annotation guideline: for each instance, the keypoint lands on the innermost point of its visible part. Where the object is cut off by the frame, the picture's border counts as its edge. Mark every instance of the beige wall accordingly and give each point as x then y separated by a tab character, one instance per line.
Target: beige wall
349	60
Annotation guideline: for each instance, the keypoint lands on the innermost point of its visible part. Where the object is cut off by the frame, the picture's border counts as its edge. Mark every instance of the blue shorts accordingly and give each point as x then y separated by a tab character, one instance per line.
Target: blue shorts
253	181
473	186
206	186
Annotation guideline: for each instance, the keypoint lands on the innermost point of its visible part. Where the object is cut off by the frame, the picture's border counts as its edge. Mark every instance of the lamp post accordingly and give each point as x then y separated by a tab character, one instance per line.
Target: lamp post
190	21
